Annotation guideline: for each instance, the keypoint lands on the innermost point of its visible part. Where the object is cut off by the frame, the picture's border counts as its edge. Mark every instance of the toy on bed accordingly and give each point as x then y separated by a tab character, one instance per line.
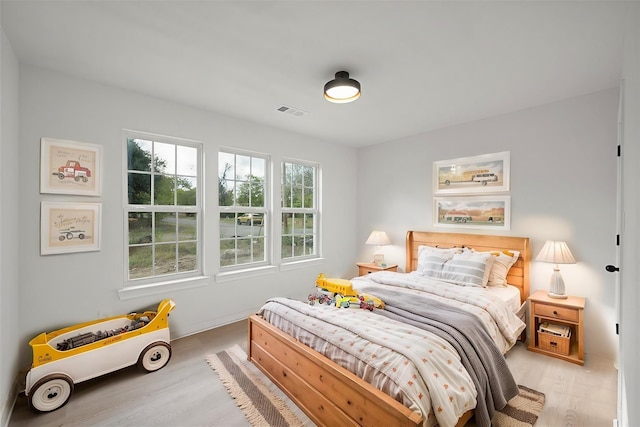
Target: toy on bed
341	293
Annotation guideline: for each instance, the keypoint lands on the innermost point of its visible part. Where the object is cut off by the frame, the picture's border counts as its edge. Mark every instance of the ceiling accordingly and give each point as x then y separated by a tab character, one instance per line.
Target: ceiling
423	65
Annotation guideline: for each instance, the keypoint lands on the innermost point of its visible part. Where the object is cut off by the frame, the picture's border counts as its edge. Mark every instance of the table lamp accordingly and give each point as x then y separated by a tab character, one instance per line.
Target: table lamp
556	253
378	238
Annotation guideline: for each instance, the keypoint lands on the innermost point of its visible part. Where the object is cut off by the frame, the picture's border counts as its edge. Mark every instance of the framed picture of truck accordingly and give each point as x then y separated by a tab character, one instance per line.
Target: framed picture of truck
486	212
70	167
487	173
69	227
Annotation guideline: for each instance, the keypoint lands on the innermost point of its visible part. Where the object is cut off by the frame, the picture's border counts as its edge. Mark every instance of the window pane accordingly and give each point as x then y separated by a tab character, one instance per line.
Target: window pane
165	158
287	223
287	247
187	160
187	256
258	167
140	228
227	225
297	197
308	224
286	196
139	189
166	259
227	252
309	248
225	193
140	261
258	249
165	227
163	190
308	176
298	246
187	226
138	155
243	168
257	192
244	251
186	191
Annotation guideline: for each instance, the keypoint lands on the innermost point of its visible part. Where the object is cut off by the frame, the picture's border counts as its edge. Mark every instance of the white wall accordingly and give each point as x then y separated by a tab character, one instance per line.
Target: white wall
9	227
563	181
62	290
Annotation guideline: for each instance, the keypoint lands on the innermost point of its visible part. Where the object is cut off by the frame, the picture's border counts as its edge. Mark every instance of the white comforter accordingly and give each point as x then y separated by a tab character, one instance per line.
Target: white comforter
416	367
501	323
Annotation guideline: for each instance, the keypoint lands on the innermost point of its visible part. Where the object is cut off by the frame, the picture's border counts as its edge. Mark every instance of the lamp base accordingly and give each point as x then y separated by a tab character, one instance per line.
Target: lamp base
556	296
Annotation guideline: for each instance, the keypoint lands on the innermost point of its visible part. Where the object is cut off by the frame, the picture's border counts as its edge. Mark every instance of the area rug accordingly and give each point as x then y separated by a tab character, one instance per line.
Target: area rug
261	401
265	405
521	411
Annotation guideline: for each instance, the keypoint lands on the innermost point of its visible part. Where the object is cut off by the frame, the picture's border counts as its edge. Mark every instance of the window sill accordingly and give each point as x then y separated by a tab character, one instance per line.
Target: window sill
131	292
294	265
229	276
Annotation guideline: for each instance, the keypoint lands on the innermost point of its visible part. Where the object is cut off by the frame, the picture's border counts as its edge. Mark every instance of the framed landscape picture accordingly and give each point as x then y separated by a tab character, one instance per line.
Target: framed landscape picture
486	212
69	227
70	167
487	173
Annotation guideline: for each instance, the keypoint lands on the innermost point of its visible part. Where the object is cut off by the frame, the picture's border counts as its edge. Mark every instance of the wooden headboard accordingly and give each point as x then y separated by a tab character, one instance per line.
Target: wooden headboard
518	275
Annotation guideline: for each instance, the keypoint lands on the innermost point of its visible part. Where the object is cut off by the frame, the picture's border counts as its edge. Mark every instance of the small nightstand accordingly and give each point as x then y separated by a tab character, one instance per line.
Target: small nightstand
564	312
365	268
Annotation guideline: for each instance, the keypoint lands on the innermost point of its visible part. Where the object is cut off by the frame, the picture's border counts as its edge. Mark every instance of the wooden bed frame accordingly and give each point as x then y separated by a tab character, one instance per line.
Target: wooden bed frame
331	395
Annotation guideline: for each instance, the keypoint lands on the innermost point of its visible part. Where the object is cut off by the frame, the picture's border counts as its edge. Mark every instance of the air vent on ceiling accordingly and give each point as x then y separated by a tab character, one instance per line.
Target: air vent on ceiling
291	111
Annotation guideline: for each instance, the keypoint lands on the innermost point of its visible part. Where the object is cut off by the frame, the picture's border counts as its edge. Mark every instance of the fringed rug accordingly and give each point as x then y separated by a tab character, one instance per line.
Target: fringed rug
265	405
261	401
521	411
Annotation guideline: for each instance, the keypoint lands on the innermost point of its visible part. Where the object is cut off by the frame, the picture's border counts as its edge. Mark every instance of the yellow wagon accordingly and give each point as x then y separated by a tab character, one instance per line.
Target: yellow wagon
88	350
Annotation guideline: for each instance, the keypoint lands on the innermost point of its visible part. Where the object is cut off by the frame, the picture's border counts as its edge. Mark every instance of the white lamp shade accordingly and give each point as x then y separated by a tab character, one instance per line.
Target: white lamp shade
378	238
556	253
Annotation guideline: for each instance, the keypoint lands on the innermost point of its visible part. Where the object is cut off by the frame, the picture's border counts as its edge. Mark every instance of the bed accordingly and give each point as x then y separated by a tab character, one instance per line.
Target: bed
332	395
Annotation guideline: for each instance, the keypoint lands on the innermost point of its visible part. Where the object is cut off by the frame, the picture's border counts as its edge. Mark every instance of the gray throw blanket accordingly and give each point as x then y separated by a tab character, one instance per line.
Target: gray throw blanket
479	355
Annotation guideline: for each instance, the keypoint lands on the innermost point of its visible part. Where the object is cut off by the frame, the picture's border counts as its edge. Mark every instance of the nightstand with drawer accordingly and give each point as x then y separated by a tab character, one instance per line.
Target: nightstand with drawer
560	314
365	268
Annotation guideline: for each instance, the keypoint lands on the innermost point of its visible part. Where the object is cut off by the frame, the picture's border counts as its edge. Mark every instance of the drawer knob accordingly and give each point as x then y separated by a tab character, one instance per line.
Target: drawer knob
555	313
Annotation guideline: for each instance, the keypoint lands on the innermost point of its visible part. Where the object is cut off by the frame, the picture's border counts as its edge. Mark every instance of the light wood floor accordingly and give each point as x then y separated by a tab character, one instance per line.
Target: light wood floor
188	393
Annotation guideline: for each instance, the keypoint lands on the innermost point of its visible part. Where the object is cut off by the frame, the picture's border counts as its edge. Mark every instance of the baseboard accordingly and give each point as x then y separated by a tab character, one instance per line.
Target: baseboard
7	407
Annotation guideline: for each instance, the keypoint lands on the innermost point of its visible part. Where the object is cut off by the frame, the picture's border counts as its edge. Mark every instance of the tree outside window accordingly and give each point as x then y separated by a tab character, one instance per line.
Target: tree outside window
242	200
163	208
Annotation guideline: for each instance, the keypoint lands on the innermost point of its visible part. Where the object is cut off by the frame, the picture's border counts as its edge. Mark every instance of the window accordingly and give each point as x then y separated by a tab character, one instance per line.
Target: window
243	200
299	210
163	208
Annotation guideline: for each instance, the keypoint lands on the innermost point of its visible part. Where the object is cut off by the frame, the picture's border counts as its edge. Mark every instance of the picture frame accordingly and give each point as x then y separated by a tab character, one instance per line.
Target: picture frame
70	167
482	212
67	227
486	173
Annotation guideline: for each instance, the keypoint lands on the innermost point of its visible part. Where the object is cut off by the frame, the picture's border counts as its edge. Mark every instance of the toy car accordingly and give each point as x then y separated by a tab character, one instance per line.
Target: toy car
78	353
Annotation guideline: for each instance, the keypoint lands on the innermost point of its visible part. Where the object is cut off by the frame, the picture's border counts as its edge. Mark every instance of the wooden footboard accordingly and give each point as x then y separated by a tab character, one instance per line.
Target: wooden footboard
329	394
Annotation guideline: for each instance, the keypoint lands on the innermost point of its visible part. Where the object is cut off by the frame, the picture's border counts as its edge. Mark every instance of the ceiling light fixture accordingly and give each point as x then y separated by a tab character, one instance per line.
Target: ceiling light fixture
342	89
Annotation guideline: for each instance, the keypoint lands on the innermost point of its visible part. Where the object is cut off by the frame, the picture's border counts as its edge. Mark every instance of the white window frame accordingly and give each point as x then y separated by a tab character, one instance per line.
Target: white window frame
315	211
237	210
163	282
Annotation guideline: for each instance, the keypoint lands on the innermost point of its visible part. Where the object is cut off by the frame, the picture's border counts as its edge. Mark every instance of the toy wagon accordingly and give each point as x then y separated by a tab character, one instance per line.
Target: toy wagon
78	353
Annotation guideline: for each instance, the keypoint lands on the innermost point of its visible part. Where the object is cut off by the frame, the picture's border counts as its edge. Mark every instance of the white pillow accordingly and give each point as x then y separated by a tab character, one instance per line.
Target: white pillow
427	251
465	269
501	266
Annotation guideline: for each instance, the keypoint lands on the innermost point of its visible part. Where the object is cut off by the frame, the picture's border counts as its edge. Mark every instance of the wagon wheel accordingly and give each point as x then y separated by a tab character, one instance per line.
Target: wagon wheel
447	182
69	236
60	176
85	179
484	182
81	236
50	393
76	179
155	356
